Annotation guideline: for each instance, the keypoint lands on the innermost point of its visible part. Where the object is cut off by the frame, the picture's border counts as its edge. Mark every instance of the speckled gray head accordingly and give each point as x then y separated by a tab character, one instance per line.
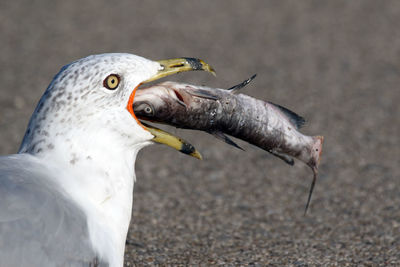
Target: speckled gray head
90	96
78	100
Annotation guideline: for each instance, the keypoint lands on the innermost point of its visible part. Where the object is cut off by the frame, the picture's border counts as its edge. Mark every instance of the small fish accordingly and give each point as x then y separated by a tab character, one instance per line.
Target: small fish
222	112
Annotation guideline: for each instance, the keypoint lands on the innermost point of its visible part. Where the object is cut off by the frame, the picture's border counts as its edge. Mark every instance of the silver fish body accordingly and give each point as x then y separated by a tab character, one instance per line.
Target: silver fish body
219	112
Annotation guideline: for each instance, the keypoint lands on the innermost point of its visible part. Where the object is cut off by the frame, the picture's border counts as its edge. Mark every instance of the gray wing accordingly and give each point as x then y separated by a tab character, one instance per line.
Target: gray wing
39	226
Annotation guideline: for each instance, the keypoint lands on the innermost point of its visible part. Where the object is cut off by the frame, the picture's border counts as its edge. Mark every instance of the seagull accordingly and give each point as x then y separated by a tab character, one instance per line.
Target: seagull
66	196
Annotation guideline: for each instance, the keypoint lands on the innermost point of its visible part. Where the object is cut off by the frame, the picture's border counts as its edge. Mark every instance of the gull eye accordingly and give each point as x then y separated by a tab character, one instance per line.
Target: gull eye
111	82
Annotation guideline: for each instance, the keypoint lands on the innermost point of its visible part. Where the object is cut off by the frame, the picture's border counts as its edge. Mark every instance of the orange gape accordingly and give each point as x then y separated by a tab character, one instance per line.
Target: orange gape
130	108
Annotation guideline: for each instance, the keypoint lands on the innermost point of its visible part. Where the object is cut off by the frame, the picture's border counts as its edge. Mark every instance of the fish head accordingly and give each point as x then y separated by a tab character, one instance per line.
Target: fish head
161	102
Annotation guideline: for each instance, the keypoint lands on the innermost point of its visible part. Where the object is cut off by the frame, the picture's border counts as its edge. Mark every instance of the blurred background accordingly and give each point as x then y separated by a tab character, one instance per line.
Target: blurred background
337	63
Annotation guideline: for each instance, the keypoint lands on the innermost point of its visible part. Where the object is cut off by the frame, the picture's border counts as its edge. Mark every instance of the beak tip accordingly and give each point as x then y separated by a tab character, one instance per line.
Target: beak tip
197	155
213	72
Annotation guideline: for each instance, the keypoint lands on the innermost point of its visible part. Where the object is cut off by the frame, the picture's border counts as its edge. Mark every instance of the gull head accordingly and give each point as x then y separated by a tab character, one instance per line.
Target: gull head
89	103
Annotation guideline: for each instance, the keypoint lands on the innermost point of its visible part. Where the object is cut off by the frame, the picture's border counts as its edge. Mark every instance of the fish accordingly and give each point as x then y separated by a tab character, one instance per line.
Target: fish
223	112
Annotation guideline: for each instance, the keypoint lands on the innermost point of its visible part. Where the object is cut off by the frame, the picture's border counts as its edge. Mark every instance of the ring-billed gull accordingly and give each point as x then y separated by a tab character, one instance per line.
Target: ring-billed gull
66	197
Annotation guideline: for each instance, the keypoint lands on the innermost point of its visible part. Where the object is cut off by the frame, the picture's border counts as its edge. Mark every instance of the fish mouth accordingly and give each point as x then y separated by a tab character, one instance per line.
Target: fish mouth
169	67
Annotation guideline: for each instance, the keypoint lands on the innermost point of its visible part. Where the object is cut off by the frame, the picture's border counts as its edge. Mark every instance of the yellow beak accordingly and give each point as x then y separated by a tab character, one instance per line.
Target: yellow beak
176	65
168	139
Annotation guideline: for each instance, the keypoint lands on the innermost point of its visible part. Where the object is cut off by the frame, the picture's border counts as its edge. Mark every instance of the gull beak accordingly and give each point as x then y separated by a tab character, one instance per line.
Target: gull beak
173	141
169	67
176	65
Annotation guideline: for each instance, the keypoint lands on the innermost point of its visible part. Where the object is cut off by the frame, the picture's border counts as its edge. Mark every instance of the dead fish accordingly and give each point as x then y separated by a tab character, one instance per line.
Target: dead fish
223	112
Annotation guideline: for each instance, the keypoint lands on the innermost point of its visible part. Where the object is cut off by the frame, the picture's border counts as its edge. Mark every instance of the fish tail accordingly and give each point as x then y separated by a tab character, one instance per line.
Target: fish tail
316	152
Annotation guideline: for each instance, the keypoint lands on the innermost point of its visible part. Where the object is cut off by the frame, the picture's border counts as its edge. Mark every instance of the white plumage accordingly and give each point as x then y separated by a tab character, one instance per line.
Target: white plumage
75	168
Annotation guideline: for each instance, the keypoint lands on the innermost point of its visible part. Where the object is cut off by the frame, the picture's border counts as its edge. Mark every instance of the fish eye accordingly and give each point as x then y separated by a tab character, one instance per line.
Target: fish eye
148	110
111	82
143	109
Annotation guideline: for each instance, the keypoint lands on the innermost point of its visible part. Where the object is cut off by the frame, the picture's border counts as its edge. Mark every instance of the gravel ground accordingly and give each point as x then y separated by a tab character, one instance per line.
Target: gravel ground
334	62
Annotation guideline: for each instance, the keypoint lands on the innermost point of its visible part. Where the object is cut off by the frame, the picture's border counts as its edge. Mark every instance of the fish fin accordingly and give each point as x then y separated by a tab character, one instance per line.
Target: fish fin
226	139
283	157
315	176
294	118
316	151
236	88
203	94
180	102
